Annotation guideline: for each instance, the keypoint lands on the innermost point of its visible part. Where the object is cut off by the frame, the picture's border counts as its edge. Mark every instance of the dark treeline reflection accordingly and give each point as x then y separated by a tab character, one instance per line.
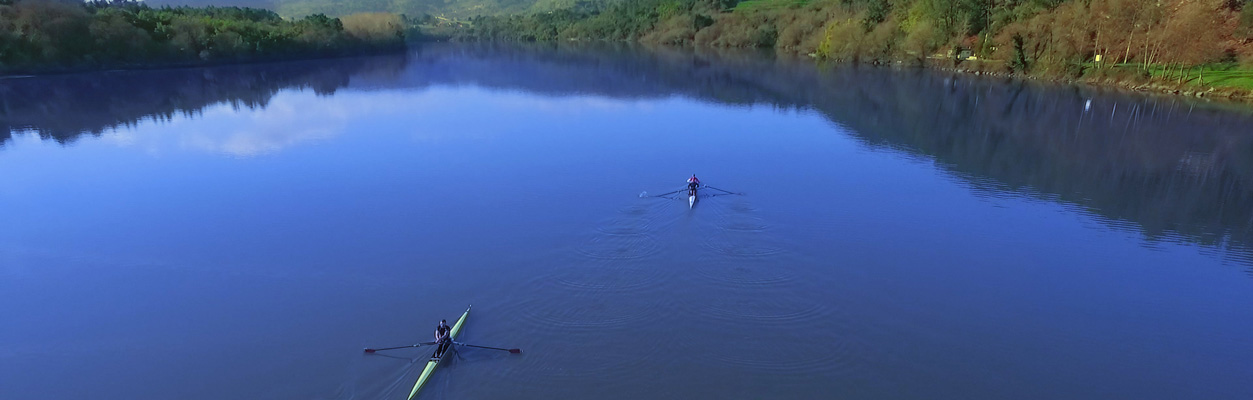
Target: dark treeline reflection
64	107
1176	169
1169	167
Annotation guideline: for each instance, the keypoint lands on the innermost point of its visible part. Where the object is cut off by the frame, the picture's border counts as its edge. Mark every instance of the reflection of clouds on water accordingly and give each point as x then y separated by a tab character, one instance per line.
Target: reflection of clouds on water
292	118
566	106
289	119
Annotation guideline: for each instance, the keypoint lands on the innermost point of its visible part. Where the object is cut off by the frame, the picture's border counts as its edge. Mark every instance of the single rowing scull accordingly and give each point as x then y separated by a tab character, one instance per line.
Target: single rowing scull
692	194
434	362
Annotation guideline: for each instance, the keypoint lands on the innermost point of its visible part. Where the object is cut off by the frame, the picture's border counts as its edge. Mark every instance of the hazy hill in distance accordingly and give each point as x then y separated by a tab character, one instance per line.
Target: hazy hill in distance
457	9
266	4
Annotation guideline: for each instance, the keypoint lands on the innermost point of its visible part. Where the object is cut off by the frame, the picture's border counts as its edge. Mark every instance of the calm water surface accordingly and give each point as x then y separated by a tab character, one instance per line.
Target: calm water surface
243	232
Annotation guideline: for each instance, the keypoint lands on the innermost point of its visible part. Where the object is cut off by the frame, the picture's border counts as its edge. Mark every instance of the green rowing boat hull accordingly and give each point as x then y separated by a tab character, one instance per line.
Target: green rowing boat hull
434	362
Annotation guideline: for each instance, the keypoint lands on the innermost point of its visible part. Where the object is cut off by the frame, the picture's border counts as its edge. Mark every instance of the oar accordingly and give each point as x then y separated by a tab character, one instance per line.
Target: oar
455	352
727	191
667	193
514	351
400	347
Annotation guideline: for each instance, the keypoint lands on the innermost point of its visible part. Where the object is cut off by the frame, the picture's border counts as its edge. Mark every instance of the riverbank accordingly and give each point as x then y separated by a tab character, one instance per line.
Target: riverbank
1187	47
1133	78
53	36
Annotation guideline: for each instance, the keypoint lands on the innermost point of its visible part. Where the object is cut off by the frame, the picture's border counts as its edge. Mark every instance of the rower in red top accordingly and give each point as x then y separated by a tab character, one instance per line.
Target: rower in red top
693	183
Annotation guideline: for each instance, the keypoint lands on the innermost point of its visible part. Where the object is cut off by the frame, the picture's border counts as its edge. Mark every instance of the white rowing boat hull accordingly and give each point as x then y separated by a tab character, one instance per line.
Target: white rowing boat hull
691	201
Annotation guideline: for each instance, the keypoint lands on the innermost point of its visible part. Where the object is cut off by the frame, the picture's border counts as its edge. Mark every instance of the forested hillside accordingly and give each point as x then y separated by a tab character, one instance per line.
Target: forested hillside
449	9
1193	46
60	35
1189	43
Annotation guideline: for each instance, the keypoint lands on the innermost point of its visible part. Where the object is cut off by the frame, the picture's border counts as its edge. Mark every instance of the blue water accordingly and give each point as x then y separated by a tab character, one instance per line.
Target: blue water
243	232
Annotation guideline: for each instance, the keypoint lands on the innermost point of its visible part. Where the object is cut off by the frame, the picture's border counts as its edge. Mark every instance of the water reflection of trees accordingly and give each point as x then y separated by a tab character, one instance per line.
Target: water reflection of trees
1174	169
65	107
1169	168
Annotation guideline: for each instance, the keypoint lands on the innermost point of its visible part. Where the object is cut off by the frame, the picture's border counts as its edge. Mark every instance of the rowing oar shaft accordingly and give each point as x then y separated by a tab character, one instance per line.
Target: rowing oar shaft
722	190
514	351
400	347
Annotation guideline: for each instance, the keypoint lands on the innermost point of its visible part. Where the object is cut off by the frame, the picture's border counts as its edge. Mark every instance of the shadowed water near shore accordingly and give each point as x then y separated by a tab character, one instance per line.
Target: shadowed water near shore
1168	168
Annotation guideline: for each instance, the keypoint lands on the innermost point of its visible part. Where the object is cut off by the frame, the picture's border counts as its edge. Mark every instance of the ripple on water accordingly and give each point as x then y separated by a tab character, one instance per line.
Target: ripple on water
623	230
620	246
795	338
582	361
742	245
614	257
640	208
645	208
628	227
760	274
744	224
739	207
763	309
606	276
587	310
785	358
597	362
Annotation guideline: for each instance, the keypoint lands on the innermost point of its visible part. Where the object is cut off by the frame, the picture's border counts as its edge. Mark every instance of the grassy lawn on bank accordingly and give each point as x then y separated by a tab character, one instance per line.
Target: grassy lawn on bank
1216	75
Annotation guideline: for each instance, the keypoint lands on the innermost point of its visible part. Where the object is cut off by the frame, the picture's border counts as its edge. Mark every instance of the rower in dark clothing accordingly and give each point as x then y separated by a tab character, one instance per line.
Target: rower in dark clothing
692	184
441	337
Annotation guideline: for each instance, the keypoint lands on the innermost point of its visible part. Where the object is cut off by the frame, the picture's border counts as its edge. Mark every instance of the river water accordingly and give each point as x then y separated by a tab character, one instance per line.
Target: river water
244	232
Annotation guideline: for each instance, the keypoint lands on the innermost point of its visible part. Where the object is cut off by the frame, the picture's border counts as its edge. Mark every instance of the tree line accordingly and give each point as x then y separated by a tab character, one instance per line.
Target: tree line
1099	39
58	35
